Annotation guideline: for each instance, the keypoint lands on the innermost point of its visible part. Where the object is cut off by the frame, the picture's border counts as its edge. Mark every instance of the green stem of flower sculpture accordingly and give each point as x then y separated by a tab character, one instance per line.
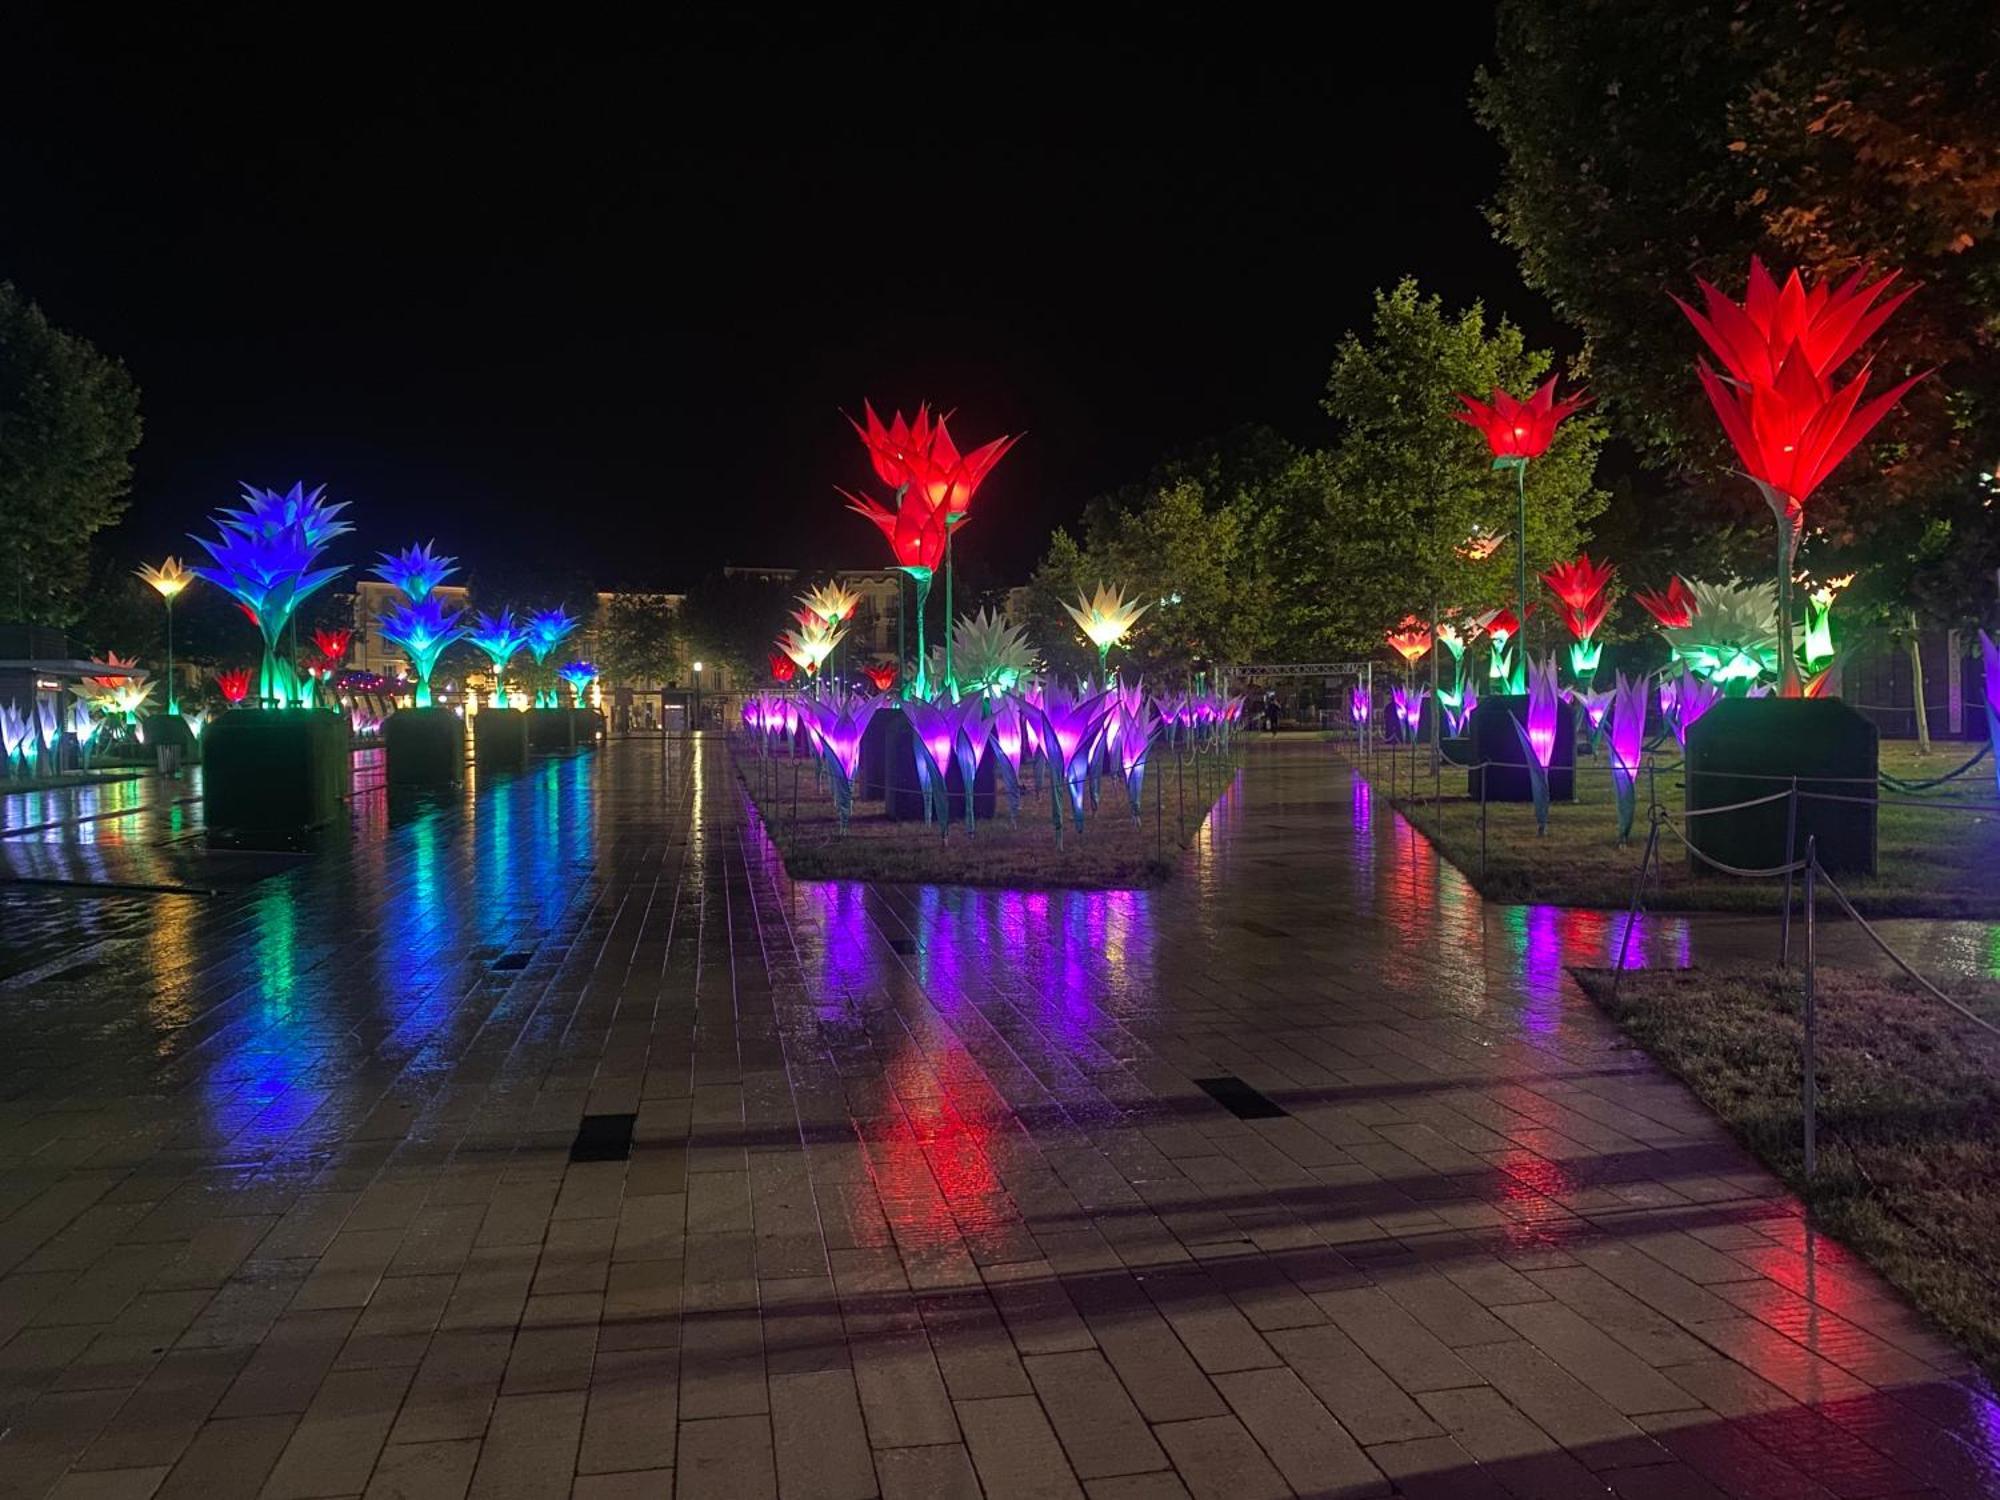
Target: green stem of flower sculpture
1519	680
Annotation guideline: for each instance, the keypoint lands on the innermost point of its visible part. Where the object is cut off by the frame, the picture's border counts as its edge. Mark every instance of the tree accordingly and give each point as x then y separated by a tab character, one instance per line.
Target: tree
69	420
637	639
733	618
1649	142
1406	483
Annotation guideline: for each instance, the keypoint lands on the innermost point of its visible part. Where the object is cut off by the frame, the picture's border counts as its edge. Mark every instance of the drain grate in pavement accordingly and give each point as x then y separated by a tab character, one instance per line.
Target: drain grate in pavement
905	946
603	1138
510	963
1242	1101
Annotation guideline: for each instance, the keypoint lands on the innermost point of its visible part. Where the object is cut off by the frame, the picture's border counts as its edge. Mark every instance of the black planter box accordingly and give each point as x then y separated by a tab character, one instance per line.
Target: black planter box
500	739
548	728
171	729
271	776
886	738
589	727
1493	739
424	747
1745	748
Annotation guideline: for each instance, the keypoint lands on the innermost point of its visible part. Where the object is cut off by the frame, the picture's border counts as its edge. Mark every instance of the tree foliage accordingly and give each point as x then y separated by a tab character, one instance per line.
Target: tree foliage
732	618
69	420
1407	483
1649	142
637	639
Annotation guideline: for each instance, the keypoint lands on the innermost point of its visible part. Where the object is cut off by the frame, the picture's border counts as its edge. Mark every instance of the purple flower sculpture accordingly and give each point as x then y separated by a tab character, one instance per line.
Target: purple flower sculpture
970	744
1070	728
1693	697
1990	655
1626	739
934	728
1538	735
1137	729
835	724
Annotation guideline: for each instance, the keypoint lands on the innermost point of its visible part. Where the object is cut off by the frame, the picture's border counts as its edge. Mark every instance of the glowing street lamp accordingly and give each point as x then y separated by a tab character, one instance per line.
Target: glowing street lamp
169	579
1517	431
697	695
1105	619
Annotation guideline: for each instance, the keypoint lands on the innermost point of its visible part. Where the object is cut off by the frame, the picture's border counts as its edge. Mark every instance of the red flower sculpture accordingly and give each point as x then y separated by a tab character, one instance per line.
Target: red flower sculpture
235	684
1583	619
946	479
1503	624
882	675
783	668
332	644
1410	640
1826	325
1578	583
1790	424
914	530
889	448
1673	606
1521	430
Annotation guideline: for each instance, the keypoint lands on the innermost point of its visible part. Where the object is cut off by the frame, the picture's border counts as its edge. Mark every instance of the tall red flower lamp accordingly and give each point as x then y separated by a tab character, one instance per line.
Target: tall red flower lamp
1517	431
1790	424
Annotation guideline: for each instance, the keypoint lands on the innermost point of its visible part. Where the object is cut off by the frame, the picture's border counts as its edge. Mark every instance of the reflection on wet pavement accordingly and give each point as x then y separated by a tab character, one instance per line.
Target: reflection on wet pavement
922	1188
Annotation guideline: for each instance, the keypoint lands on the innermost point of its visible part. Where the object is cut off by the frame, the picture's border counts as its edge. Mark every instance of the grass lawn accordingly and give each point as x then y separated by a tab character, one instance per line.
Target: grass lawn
1112	852
1930	863
1909	1114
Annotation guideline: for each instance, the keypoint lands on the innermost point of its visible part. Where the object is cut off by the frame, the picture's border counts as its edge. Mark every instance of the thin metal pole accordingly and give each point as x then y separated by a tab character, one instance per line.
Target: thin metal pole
1485	775
1791	858
1638	894
1809	1097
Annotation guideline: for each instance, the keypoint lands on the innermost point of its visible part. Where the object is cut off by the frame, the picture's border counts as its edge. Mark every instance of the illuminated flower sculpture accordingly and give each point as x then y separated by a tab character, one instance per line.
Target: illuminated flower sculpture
1625	740
1673	606
1538	735
169	580
1580	586
501	638
1137	729
1818	648
974	732
1009	741
783	668
831	602
1358	708
934	731
579	675
934	485
1692	697
835	724
1517	431
234	685
421	629
992	655
881	675
1501	626
1105	619
548	629
16	736
1458	706
1409	709
1789	422
263	557
1732	636
416	570
1410	640
1069	729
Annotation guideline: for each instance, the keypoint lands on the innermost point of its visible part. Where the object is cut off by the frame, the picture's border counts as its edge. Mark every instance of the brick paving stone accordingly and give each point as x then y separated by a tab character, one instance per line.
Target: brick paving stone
286	1204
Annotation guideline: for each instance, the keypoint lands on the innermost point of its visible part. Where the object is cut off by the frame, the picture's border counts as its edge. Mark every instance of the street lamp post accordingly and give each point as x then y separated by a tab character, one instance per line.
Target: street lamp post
169	578
697	696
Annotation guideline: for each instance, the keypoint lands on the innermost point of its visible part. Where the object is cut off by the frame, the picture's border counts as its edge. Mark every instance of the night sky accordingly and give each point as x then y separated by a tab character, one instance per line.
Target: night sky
599	300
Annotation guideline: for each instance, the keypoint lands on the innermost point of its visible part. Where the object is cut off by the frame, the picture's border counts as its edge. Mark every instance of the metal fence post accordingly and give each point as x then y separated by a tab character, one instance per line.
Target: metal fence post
1809	1096
1485	772
1791	858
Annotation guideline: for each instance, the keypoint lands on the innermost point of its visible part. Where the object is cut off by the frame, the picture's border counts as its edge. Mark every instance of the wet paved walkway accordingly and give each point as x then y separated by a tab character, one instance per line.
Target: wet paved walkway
924	1200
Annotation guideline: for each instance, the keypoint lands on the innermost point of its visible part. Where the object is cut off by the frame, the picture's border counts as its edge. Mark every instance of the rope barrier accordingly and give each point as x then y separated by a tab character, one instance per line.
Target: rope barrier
1898	959
1775	870
1897	783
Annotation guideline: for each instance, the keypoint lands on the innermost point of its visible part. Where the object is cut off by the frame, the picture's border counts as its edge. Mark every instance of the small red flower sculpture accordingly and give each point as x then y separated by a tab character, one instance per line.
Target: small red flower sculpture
1583	619
889	447
332	644
235	684
783	668
1673	606
882	675
914	530
1578	583
1410	640
1521	430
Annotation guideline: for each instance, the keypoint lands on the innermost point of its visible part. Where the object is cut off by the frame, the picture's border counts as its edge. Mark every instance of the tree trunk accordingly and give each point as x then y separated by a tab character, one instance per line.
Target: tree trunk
1916	649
